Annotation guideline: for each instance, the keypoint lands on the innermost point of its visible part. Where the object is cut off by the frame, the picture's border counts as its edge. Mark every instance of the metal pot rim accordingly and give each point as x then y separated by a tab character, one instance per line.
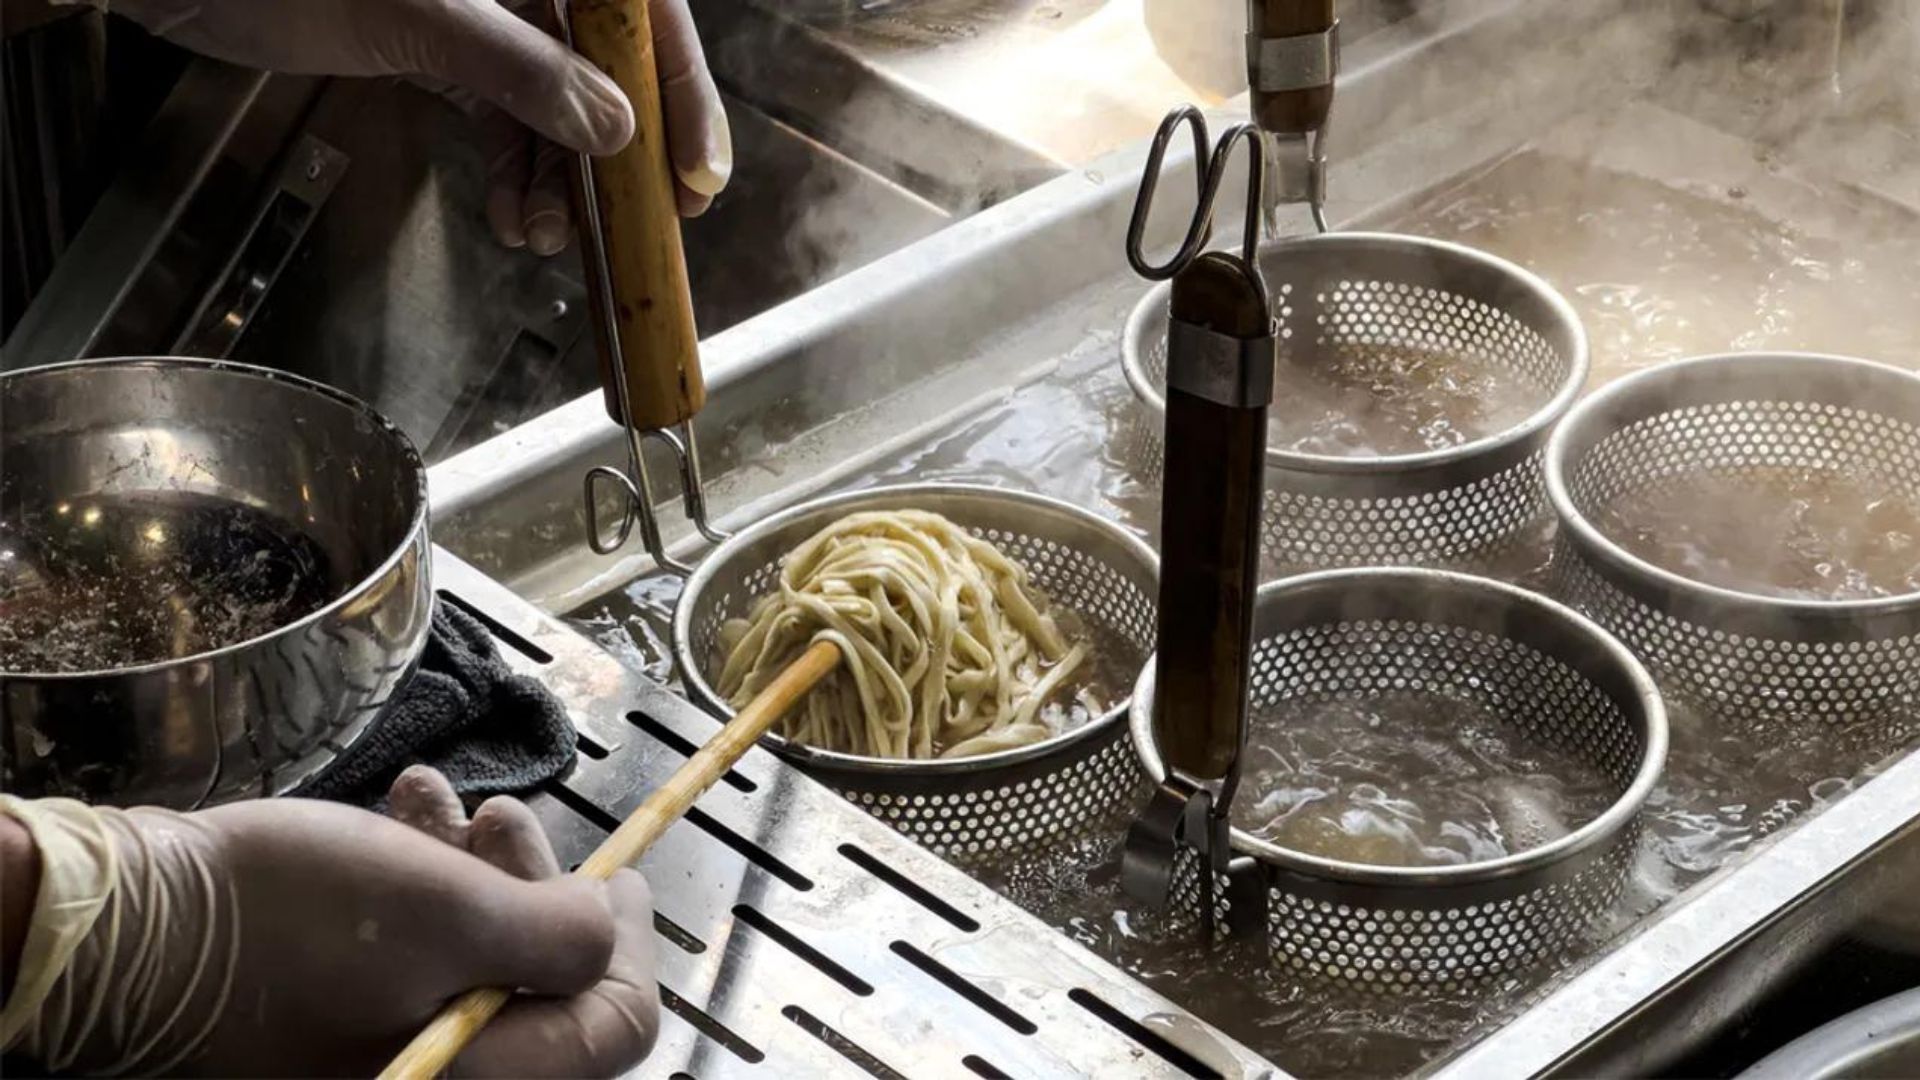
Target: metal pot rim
1596	543
703	574
1838	1047
416	524
1589	836
1133	361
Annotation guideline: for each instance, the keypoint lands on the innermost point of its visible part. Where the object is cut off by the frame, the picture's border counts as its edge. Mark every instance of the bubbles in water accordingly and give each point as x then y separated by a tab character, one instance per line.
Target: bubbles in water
1365	399
1797	533
1370	400
116	582
1410	778
1657	273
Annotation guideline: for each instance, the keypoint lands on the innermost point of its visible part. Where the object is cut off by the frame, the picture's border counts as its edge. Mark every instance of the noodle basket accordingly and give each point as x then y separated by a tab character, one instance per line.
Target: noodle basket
1528	661
1742	654
1451	507
992	802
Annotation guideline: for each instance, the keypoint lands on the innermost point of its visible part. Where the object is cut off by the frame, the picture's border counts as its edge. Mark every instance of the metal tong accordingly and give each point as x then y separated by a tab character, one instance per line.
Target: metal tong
637	286
1220	359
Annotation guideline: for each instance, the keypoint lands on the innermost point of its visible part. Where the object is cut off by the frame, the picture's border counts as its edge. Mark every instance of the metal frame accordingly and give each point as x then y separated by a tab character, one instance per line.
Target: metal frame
801	937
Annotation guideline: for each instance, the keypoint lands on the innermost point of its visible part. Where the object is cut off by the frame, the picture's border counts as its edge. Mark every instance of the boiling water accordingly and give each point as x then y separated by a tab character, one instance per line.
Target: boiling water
116	582
1072	434
1657	273
1368	400
1374	400
1794	533
1719	796
1410	778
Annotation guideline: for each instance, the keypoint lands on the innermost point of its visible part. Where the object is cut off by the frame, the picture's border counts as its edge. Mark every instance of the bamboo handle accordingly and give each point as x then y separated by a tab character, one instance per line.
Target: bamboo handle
640	232
447	1034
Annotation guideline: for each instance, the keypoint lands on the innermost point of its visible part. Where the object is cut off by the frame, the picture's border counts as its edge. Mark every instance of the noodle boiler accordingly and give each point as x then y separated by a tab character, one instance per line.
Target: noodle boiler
799	935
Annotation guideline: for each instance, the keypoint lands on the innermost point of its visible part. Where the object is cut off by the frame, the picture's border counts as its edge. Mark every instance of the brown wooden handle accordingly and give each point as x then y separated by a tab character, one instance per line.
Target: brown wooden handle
1209	538
447	1034
640	231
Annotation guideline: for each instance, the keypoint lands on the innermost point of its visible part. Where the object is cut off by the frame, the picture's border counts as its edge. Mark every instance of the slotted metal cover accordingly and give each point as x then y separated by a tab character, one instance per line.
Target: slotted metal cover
801	937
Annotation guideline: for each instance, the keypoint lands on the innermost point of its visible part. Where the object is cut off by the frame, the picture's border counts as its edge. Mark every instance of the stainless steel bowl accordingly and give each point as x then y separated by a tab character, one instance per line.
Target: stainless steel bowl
212	578
1546	671
1458	507
968	806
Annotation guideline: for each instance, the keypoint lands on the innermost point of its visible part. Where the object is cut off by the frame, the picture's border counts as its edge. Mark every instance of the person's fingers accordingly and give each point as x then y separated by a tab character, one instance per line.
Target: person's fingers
518	67
508	148
699	141
505	833
602	1032
423	799
549	937
549	220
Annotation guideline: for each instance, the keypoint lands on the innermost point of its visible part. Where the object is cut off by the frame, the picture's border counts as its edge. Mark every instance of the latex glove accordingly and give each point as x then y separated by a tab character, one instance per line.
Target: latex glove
527	200
289	936
525	78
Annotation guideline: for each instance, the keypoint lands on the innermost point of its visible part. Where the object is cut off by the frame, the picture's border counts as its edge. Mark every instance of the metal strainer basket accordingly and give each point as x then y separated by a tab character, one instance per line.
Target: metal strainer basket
1007	800
1451	507
1534	663
1751	658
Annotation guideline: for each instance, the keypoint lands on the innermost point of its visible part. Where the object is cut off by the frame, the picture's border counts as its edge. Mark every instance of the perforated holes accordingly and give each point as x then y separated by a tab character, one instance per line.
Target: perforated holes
1795	669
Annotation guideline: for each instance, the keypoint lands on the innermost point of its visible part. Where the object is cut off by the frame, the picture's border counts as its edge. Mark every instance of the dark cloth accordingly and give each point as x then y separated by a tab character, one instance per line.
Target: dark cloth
466	713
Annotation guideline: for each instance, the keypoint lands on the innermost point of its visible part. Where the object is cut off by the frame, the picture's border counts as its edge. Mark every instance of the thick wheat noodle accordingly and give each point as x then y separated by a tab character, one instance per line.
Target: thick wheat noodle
948	651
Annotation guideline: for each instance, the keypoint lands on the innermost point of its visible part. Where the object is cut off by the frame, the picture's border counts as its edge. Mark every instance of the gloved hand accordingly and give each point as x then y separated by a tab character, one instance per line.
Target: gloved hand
289	936
525	78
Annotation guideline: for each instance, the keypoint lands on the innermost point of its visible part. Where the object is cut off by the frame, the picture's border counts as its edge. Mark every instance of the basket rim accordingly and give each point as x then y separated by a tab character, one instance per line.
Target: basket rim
1603	829
1593	541
1149	307
703	693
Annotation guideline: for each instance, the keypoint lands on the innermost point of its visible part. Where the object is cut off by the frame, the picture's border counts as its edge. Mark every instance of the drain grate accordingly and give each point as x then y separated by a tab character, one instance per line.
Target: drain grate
804	938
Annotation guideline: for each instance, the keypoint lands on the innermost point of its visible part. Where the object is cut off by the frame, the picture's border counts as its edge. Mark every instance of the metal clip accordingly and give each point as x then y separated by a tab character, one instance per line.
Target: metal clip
1279	65
1185	813
1296	173
1227	370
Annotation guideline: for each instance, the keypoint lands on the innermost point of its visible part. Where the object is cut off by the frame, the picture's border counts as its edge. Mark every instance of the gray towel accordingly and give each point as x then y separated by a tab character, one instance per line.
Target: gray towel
466	713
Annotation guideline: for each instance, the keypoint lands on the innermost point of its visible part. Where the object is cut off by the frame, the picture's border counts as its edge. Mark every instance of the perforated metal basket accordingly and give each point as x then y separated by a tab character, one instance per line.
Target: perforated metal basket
1536	664
1450	507
1748	657
1007	800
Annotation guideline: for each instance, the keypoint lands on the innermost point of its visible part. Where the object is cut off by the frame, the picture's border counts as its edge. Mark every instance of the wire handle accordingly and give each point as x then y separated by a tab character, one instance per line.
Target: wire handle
1210	172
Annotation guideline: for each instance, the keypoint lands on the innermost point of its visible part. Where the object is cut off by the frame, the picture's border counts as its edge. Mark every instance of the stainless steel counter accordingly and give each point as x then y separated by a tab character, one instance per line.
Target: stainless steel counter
895	354
799	937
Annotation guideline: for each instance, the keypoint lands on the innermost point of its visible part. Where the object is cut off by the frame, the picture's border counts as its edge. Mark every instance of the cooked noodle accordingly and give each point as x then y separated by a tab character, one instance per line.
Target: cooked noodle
947	649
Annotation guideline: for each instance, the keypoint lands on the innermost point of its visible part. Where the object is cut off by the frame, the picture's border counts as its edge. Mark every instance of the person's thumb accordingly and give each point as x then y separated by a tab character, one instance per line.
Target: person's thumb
546	86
